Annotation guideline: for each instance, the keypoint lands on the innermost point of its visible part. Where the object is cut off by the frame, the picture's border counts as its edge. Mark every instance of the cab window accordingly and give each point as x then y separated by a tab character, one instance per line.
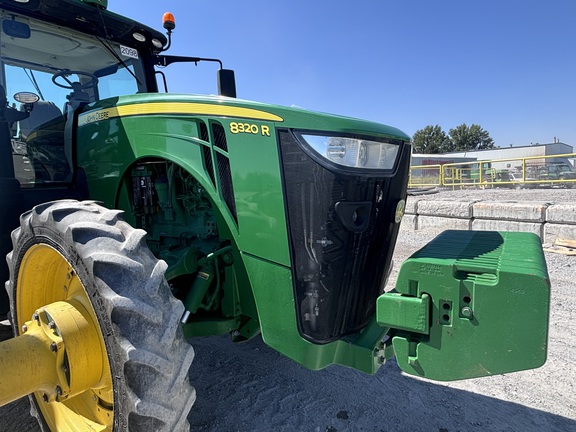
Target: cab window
64	70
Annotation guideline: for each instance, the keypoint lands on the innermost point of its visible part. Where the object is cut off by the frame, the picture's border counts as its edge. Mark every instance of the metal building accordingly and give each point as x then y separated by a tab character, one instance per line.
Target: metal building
439	159
556	148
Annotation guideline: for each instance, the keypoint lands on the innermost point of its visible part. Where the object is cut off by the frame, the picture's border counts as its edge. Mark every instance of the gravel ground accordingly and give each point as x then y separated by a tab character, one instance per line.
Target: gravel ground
249	387
548	195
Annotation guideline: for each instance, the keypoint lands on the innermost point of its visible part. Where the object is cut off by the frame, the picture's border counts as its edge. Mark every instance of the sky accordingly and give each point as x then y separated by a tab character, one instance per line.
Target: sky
506	65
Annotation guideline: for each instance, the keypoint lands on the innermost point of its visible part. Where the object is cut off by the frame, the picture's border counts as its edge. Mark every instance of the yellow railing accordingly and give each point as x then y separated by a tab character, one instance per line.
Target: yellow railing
526	172
425	175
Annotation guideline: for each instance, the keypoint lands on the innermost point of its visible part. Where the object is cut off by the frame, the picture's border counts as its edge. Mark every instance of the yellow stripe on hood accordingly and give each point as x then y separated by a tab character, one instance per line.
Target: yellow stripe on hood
156	108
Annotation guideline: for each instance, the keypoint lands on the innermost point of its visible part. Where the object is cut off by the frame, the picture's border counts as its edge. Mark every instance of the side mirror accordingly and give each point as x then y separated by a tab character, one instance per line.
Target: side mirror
26	97
226	83
9	114
16	29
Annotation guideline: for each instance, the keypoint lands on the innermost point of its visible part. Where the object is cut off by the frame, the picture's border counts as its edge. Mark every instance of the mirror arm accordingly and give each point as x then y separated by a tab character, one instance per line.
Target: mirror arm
164	60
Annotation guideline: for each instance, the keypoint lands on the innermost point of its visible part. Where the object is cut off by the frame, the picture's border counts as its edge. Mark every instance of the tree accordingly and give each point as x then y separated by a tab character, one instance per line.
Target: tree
431	139
472	137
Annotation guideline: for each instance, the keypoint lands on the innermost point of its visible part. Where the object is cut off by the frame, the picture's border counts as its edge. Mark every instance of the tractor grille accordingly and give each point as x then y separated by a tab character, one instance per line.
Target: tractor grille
224	172
342	235
207	151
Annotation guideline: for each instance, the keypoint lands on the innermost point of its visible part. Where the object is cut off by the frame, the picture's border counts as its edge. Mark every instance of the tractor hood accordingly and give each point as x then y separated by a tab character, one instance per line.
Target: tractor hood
184	104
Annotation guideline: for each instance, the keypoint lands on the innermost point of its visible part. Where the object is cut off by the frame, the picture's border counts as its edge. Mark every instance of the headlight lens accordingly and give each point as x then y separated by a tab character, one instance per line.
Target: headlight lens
354	153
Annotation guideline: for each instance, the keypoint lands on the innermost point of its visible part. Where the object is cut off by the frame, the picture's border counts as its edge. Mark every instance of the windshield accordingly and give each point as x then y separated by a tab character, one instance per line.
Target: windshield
65	69
30	63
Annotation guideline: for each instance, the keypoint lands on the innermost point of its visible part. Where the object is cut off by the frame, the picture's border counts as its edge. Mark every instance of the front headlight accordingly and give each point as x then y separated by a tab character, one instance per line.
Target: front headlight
353	152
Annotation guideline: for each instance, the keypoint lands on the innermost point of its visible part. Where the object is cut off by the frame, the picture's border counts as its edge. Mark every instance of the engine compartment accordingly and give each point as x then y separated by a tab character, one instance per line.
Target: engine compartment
172	206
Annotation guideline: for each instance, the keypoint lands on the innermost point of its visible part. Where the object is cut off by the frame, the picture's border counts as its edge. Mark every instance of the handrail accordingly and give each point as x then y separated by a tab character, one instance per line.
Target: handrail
488	173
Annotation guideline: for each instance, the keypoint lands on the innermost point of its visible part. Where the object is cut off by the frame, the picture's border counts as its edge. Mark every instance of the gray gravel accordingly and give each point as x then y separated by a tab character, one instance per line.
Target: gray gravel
548	195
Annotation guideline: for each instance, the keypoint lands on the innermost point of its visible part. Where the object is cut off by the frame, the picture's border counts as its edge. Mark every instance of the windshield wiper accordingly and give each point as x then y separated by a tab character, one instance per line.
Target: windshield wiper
117	57
32	79
105	43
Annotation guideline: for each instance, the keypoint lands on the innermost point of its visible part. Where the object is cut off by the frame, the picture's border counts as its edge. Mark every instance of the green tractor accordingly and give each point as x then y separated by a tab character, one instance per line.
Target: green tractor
555	174
135	220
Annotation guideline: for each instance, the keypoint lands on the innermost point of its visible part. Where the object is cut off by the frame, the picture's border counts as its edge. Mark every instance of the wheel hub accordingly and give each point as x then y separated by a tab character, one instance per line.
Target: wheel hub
76	385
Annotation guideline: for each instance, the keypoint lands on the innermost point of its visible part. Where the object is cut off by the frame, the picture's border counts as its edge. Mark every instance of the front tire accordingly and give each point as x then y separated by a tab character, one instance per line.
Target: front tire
83	252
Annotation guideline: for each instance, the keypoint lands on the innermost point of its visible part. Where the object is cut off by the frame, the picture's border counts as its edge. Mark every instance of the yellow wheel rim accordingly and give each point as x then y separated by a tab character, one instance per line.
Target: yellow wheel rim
46	277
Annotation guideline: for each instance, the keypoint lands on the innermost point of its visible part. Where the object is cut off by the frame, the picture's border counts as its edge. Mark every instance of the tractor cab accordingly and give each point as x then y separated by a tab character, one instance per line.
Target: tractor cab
50	72
64	69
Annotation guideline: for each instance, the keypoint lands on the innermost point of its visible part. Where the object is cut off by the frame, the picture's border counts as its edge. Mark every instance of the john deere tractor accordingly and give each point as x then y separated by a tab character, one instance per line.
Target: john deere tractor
134	220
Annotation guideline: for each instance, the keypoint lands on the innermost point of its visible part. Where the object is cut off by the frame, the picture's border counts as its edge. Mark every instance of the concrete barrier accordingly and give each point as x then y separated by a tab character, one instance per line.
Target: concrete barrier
507	225
510	211
550	221
561	213
448	209
426	222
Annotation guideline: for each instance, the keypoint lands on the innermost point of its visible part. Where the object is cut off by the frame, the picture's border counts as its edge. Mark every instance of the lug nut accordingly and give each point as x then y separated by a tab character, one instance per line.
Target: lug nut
52	325
24	328
53	347
58	390
35	317
44	397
